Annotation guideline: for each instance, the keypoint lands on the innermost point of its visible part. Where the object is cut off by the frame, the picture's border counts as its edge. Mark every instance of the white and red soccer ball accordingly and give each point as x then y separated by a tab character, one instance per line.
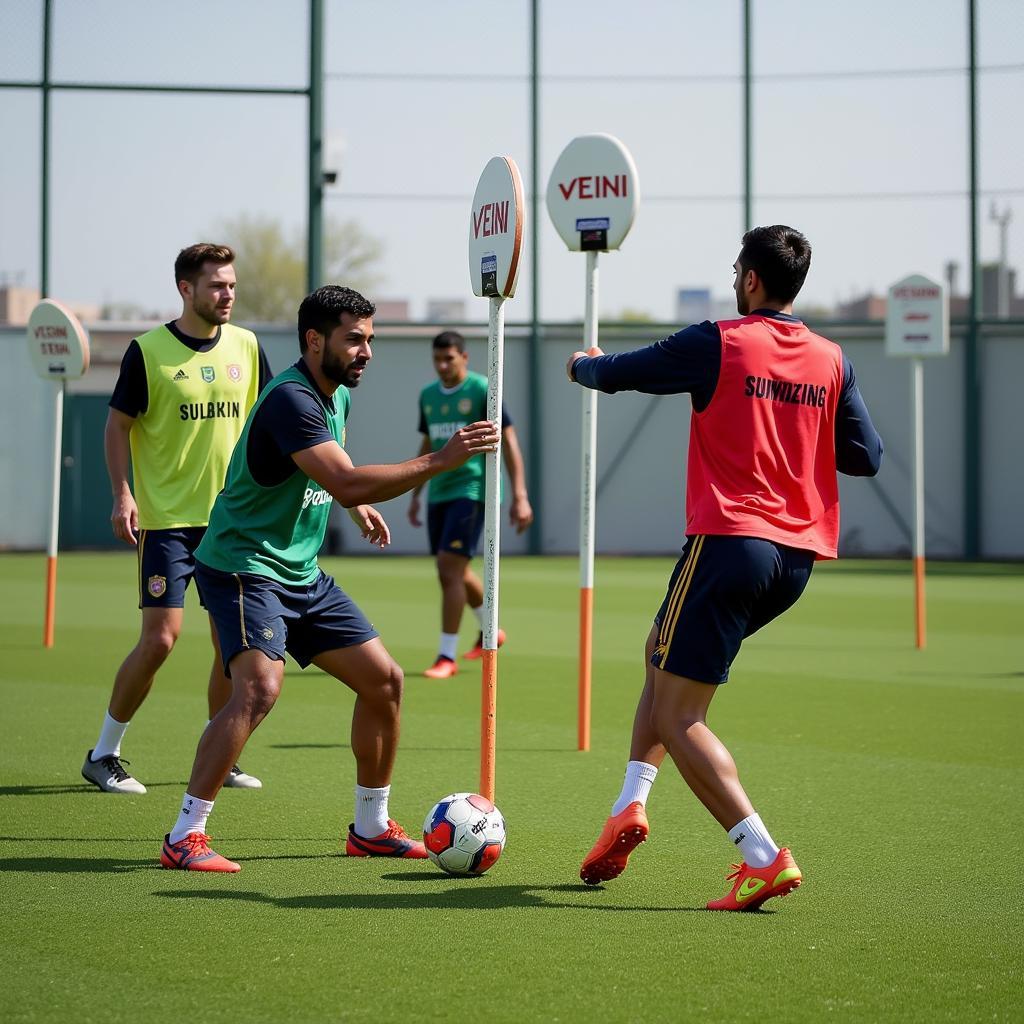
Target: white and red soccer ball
464	834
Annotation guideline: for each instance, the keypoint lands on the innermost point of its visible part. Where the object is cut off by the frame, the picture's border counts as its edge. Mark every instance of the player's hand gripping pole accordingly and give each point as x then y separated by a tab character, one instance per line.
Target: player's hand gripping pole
492	543
588	492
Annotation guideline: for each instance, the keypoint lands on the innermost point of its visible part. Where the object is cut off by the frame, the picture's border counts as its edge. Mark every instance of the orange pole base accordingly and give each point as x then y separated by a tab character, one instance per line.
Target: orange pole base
586	658
488	721
51	600
919	606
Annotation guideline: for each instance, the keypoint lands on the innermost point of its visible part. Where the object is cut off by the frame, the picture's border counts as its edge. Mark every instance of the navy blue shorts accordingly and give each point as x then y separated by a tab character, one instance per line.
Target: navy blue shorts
253	611
455	526
721	591
167	562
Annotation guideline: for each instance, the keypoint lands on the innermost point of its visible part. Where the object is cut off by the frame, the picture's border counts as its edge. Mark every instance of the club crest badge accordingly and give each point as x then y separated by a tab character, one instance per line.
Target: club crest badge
234	372
208	374
464	406
157	586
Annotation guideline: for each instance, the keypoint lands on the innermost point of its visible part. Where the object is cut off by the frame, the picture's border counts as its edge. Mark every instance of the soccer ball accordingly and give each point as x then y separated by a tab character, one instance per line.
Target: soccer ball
464	834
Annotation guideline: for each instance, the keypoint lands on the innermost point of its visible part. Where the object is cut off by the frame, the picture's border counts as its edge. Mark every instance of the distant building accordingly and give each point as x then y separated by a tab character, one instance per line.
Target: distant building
17	303
867	307
441	311
392	309
873	307
693	305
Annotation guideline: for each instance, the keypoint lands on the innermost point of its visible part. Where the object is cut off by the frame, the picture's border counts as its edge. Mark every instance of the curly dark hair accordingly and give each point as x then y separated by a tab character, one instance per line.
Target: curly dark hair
321	310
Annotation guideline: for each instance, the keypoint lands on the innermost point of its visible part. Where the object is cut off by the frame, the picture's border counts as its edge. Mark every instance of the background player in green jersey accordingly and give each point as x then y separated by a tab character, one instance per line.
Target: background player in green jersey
177	409
257	567
455	503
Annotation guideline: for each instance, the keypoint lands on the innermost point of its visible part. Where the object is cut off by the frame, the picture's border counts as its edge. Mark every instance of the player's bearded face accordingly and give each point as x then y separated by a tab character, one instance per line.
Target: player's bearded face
344	364
213	294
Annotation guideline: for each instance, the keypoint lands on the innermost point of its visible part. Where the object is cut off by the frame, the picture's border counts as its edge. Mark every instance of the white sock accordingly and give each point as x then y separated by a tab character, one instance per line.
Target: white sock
192	817
448	649
479	613
758	848
636	786
110	738
371	811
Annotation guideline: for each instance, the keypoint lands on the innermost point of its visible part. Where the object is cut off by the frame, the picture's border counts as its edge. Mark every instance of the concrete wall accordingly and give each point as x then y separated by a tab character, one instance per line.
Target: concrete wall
642	442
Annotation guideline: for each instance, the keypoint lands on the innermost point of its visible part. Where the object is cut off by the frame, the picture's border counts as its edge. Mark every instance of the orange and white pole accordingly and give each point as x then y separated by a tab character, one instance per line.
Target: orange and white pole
492	543
588	501
917	406
49	616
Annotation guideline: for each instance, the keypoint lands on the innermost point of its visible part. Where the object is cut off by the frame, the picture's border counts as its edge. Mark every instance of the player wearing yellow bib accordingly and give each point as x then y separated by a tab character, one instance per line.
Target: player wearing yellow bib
181	399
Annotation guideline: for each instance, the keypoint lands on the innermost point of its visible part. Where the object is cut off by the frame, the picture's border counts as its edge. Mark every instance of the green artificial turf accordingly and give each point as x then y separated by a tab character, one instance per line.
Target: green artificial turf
894	774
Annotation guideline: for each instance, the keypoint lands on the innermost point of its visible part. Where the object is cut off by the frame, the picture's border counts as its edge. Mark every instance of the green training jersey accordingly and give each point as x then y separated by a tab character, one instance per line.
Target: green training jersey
442	414
277	530
181	444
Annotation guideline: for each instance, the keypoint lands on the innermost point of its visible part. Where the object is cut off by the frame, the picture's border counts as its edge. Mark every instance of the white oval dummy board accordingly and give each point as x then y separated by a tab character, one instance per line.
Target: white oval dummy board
57	342
593	193
496	223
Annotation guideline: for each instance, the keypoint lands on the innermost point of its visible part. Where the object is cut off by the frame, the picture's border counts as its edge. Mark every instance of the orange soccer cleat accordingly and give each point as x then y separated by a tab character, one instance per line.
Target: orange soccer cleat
621	835
193	853
393	842
476	652
443	668
755	885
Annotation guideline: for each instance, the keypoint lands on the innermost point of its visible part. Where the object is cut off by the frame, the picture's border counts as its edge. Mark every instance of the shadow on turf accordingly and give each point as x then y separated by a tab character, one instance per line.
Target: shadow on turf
80	788
470	894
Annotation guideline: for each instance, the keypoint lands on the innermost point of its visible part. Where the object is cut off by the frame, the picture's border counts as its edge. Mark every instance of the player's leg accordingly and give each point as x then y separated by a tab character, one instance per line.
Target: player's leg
218	694
471	528
250	615
256	680
165	567
337	637
452	546
708	612
627	825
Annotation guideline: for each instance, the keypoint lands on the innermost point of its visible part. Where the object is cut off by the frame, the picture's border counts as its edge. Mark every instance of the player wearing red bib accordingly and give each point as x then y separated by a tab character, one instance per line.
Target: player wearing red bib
776	413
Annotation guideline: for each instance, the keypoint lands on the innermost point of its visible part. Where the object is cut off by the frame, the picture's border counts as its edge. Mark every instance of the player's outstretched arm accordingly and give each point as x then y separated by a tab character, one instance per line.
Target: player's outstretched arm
124	517
329	465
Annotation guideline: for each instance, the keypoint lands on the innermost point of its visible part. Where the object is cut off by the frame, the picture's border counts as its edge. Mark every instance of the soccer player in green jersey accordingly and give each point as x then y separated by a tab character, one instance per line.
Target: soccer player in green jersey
455	503
181	398
257	568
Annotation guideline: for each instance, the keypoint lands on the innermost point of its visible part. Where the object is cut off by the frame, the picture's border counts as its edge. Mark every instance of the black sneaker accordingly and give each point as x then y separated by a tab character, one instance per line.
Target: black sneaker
108	774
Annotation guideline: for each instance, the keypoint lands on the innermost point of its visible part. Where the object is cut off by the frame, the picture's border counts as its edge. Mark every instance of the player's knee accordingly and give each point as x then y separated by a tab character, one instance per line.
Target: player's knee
387	693
157	644
260	695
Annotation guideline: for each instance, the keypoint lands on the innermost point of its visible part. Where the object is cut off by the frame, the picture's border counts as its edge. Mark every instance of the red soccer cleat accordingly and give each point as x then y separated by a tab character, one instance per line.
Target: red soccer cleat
193	853
621	835
755	885
391	843
443	668
476	652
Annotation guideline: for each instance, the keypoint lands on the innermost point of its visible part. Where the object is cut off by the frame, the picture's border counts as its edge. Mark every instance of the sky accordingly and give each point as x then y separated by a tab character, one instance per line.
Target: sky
860	119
